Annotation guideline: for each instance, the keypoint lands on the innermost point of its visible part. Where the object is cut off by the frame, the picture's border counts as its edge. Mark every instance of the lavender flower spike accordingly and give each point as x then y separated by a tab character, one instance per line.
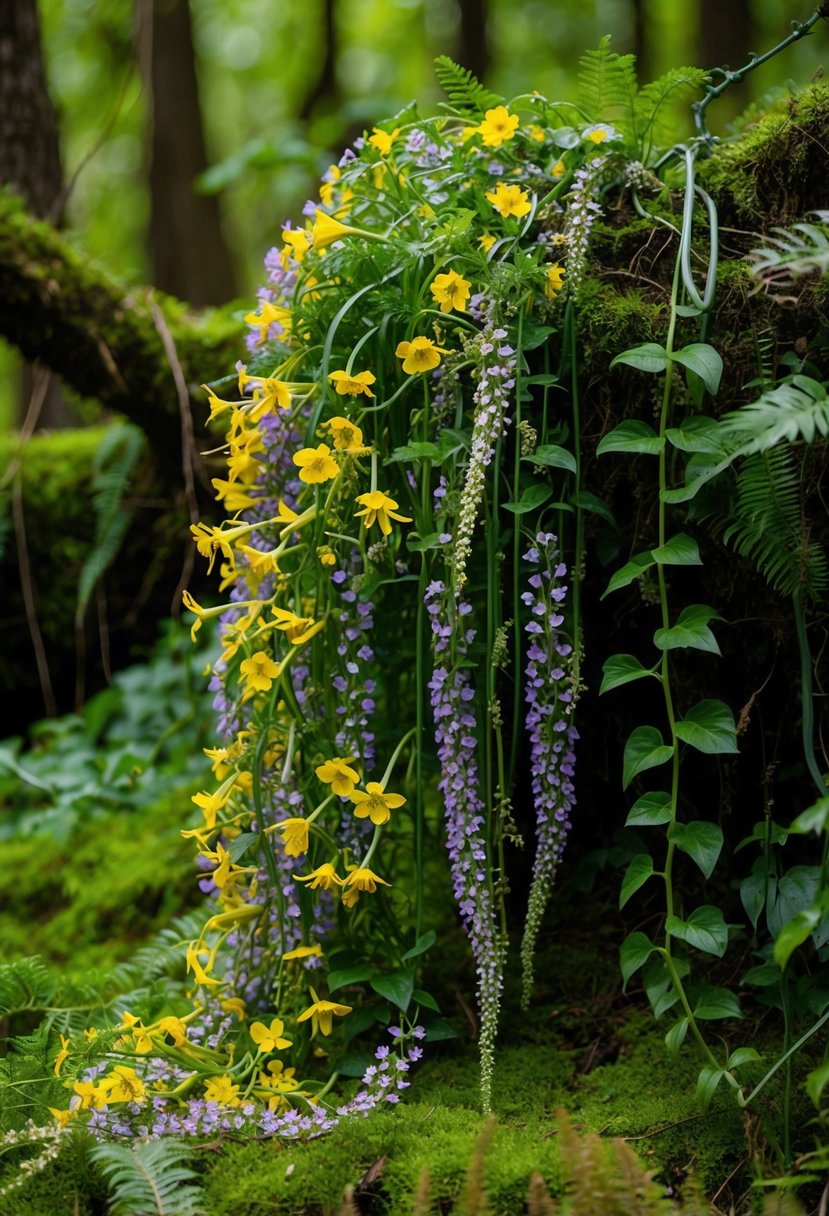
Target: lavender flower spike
452	699
548	694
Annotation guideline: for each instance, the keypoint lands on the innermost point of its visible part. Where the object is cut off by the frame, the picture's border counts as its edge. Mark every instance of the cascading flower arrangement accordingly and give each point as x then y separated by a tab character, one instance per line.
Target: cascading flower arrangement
389	452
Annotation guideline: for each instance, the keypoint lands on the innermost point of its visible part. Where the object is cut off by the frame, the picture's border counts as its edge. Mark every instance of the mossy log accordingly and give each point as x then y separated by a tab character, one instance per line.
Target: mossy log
102	338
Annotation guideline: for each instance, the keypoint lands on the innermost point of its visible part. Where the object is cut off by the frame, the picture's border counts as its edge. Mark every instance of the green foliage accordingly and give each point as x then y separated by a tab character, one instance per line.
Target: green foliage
607	85
149	1178
465	92
113	466
793	252
768	526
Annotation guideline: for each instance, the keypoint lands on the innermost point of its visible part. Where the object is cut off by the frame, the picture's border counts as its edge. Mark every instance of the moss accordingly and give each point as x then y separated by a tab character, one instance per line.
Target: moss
775	172
69	1186
59	519
84	905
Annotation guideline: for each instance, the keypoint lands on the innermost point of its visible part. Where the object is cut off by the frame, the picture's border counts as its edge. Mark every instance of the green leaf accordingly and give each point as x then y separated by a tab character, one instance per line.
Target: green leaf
816	1082
703	361
631	436
743	1055
709	1079
629	572
716	1003
766	975
635	951
240	844
650	357
425	1000
588	501
534	496
354	1063
690	631
701	841
554	456
705	929
350	975
544	378
423	943
697	433
636	875
676	1035
650	810
680	550
622	669
397	988
644	749
422	544
753	895
417	451
794	933
709	727
534	335
813	819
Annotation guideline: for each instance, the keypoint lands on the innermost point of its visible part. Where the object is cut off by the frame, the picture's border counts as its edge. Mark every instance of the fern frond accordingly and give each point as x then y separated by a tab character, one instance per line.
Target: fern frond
793	410
166	952
149	1179
768	525
793	252
652	119
607	86
465	92
26	984
113	467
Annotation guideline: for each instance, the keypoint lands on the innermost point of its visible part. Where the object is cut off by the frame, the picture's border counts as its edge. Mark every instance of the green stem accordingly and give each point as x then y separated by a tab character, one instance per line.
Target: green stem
807	707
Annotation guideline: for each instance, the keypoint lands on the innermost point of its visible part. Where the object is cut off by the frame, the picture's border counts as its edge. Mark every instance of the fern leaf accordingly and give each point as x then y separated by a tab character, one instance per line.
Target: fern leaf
26	984
768	527
607	86
793	252
149	1179
793	410
652	118
113	466
465	92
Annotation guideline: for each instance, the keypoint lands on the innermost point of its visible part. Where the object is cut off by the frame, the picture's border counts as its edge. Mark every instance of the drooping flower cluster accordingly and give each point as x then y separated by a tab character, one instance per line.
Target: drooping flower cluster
453	709
552	734
494	372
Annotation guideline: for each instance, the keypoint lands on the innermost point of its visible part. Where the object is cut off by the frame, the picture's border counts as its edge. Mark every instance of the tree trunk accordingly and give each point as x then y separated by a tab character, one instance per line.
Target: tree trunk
29	148
725	37
473	44
188	251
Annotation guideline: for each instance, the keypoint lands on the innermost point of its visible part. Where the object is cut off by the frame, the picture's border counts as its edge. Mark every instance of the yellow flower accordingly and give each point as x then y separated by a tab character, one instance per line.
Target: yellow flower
268	392
509	200
555	281
486	242
338	775
143	1039
537	133
315	465
62	1116
297	245
326	555
298	629
234	1005
175	1028
233	497
324	876
92	1096
352	383
498	126
558	169
363	879
326	230
259	671
62	1054
599	133
193	964
383	140
268	315
419	355
211	804
294	836
451	291
378	507
322	1014
314	951
376	804
222	1090
124	1085
269	1038
347	435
